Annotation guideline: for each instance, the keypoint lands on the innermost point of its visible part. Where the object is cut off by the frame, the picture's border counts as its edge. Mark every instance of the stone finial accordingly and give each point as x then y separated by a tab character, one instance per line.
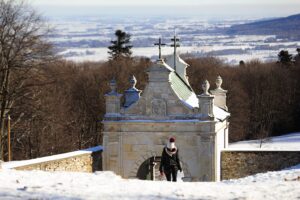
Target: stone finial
113	85
132	95
219	82
220	94
132	81
205	87
206	102
112	100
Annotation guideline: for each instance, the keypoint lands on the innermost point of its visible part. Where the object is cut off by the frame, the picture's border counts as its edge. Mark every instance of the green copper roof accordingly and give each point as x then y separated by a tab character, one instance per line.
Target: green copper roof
183	91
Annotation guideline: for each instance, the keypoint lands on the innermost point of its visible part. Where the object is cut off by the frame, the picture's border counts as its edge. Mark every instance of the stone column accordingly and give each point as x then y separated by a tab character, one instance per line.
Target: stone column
220	94
206	102
113	101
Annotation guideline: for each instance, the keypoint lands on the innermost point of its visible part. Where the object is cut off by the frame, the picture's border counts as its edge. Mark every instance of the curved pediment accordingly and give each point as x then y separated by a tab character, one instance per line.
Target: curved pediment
165	96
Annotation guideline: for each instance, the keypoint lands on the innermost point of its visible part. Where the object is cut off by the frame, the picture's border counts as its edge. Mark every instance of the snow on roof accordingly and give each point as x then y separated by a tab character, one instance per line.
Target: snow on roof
14	164
289	142
183	91
190	99
220	114
179	61
181	66
193	100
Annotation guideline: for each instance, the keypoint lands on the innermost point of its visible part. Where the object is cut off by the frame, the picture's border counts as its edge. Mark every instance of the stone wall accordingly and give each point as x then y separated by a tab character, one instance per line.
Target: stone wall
80	161
238	164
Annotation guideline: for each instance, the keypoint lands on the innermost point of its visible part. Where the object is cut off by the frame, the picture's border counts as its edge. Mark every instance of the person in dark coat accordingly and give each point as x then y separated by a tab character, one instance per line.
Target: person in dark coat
170	163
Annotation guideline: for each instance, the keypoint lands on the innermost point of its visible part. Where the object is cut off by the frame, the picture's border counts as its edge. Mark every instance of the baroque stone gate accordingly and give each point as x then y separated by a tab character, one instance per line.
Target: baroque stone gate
139	129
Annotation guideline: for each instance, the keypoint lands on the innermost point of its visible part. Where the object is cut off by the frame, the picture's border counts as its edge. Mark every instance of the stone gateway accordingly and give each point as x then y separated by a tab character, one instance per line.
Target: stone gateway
136	132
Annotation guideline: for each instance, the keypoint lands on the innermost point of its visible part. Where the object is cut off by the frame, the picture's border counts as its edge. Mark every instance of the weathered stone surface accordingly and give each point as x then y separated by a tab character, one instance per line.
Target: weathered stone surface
89	162
168	107
238	164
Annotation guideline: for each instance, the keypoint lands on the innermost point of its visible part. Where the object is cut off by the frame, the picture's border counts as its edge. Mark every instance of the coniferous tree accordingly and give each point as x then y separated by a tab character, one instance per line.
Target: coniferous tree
120	47
297	57
285	58
242	63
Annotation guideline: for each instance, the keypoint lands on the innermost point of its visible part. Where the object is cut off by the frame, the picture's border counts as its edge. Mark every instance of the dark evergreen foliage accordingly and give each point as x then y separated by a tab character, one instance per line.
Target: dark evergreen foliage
297	57
120	47
285	58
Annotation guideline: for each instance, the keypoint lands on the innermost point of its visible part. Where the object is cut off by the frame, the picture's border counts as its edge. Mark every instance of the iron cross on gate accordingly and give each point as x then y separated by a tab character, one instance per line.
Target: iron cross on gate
159	44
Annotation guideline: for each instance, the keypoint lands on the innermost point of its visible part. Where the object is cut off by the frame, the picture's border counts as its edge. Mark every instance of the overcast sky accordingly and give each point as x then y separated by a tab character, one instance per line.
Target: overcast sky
161	2
204	8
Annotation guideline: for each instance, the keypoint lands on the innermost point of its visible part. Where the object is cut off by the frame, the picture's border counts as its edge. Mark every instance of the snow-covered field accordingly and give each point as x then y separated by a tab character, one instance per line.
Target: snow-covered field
87	38
106	185
285	142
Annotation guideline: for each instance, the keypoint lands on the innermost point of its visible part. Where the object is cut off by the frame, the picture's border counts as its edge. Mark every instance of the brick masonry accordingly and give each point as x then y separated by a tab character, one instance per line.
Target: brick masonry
238	164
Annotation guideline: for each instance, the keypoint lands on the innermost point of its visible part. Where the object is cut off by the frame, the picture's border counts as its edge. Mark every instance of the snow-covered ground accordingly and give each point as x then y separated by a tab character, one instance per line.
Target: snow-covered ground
106	185
284	142
281	185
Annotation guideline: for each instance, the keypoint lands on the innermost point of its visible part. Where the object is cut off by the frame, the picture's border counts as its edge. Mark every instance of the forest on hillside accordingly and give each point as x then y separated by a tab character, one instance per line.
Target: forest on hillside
57	106
64	106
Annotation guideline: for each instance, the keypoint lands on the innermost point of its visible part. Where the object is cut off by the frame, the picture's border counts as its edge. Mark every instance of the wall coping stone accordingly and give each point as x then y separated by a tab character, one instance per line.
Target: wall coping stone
22	163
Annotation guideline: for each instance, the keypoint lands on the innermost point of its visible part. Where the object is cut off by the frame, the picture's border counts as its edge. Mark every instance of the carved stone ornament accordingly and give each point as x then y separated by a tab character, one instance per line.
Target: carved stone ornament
205	87
113	85
132	81
219	82
159	107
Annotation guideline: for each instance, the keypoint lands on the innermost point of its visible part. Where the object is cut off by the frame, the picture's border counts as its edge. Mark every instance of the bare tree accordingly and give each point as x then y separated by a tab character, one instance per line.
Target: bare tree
23	48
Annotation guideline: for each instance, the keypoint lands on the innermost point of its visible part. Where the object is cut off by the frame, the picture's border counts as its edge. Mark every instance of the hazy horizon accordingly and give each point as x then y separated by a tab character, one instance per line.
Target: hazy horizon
190	8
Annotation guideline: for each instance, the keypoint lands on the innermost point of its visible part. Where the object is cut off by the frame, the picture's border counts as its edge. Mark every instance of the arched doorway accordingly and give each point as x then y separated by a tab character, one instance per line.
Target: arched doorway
149	169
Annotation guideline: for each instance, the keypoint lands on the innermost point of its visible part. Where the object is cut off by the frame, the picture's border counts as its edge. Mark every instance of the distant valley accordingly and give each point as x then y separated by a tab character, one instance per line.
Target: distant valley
86	38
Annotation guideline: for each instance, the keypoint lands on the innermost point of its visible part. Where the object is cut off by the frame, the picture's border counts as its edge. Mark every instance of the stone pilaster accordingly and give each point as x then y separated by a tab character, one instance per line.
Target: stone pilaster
113	101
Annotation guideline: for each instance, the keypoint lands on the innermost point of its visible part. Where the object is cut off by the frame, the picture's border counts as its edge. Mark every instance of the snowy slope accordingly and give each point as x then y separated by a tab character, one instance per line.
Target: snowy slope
106	185
284	142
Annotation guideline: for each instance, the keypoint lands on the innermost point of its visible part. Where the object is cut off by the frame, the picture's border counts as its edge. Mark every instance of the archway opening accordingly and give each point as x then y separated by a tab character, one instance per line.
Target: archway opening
149	169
